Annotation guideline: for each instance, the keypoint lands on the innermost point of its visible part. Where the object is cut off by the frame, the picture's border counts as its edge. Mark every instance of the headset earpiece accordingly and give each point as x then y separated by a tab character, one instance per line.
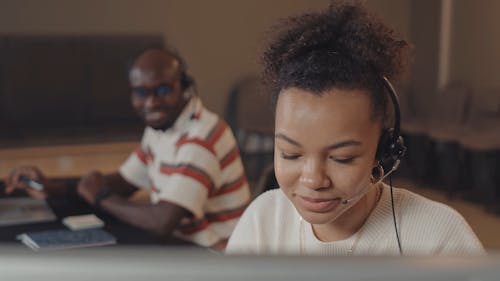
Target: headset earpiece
391	147
186	80
390	150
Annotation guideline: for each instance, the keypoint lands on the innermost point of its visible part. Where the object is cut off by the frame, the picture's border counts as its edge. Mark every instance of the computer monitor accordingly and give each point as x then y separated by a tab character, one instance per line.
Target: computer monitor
162	263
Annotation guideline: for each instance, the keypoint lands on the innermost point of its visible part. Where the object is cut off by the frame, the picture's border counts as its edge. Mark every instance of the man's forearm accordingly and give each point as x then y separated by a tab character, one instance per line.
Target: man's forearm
118	185
159	219
60	189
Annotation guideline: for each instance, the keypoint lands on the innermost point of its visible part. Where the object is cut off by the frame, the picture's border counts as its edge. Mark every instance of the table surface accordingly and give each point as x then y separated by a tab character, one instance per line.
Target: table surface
73	205
66	161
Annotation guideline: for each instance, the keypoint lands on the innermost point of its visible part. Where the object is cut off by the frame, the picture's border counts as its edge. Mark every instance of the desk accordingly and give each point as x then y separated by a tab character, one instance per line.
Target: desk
68	161
74	205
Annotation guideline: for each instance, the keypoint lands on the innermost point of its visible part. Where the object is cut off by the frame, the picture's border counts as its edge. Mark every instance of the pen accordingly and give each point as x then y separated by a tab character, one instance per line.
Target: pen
31	183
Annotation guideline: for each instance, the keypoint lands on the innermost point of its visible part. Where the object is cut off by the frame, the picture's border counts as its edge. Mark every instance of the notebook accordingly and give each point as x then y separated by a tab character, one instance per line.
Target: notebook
83	222
14	211
66	239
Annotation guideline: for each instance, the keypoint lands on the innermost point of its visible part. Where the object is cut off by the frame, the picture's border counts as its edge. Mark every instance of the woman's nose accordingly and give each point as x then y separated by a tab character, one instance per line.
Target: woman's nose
314	175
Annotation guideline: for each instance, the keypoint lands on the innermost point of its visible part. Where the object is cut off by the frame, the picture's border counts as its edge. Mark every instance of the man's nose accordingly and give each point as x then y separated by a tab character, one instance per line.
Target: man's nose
151	101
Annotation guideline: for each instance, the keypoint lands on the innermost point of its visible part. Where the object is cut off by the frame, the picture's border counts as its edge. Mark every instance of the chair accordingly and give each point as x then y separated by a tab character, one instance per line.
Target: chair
413	129
433	151
250	115
445	127
267	181
480	141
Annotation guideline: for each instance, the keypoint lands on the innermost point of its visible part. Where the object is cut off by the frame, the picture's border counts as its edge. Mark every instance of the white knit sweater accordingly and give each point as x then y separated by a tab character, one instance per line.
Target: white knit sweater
271	225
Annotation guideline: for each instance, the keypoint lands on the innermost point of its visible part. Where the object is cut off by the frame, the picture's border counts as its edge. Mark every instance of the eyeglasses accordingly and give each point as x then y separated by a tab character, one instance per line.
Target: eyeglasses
162	90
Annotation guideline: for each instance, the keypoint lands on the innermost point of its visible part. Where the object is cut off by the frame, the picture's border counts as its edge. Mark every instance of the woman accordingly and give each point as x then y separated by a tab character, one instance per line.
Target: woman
333	146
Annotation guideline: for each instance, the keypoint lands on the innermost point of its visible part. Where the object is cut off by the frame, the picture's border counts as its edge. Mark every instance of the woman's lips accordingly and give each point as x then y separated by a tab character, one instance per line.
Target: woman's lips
317	205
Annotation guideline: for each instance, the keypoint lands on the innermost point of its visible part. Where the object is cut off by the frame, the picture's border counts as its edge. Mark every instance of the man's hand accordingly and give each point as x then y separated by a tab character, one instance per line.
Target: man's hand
13	181
90	184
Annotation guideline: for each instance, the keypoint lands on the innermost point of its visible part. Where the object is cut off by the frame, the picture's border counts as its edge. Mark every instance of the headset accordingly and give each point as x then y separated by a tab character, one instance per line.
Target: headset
186	80
391	148
390	151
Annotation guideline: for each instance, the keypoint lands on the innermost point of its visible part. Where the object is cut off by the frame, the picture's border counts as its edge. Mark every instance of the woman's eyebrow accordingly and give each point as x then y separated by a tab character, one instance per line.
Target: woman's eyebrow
330	147
287	139
343	144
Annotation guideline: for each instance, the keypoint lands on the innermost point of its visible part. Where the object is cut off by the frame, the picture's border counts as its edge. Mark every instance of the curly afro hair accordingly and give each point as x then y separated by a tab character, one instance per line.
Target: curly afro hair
342	47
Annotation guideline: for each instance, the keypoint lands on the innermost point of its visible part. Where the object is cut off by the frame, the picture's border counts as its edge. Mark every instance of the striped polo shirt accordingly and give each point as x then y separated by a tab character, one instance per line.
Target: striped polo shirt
194	164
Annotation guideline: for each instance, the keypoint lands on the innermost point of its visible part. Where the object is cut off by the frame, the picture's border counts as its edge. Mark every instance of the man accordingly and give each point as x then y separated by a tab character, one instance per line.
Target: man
188	159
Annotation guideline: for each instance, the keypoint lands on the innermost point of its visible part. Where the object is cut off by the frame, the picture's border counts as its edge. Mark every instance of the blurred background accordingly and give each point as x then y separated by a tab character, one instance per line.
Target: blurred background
65	105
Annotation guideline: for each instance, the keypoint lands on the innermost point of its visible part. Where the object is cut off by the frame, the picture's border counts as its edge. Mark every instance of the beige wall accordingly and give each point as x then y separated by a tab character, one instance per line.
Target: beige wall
396	14
220	39
475	57
82	16
425	32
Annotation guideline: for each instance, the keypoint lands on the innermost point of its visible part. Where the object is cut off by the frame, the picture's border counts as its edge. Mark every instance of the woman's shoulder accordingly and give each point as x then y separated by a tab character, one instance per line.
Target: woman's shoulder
433	224
419	206
272	200
271	208
266	224
411	198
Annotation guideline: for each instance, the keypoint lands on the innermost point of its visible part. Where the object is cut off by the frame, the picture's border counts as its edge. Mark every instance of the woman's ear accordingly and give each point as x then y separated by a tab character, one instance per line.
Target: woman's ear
377	172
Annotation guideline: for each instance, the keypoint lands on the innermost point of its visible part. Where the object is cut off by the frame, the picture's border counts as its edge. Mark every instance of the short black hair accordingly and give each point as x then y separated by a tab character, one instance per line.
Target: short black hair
343	47
186	79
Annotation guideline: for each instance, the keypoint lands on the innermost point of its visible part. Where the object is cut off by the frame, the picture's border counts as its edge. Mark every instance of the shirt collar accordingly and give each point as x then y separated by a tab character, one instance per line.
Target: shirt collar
191	111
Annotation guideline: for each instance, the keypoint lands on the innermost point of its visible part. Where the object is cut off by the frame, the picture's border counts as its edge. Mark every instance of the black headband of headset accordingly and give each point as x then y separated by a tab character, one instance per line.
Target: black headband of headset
395	102
392	94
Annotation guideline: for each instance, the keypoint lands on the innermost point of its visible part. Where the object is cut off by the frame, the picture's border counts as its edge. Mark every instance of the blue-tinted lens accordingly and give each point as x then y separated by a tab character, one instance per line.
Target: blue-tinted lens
163	90
140	92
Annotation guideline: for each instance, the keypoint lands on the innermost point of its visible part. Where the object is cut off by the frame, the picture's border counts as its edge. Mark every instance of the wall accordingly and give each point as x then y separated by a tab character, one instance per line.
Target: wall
395	13
425	32
476	44
220	39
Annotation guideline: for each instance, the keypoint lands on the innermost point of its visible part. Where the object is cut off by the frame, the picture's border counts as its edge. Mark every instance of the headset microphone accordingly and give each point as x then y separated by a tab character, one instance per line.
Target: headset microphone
347	201
393	168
